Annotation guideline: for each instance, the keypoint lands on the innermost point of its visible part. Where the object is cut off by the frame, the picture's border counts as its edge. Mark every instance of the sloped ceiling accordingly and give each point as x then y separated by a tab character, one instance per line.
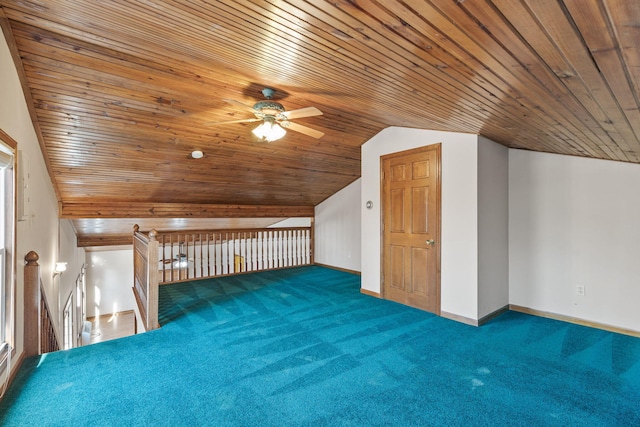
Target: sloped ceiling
121	92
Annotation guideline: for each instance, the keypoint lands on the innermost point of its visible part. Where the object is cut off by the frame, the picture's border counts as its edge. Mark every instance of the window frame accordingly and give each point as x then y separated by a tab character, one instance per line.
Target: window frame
9	268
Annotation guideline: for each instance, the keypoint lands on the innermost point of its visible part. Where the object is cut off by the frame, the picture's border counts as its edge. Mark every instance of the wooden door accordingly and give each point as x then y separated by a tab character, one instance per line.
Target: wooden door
411	227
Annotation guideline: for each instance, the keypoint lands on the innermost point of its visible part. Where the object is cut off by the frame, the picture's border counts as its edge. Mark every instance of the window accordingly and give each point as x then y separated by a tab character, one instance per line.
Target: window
7	243
3	257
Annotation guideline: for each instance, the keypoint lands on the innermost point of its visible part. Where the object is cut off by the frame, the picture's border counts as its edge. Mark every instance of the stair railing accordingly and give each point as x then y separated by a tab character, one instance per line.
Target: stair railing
178	256
40	335
145	276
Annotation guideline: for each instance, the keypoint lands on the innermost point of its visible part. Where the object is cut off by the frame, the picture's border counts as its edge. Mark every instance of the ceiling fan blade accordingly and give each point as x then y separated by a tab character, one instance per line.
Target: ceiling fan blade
234	121
302	129
302	112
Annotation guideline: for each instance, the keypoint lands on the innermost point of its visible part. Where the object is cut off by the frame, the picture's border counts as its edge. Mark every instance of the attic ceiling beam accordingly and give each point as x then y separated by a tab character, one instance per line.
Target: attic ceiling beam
102	240
76	210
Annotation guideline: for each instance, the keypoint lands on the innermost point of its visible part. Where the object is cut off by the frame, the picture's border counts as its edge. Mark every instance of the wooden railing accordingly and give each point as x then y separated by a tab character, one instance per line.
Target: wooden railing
40	334
48	337
202	254
182	256
145	276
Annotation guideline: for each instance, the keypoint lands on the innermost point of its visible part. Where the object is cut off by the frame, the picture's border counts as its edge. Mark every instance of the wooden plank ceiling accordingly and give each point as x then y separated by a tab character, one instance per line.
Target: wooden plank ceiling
121	92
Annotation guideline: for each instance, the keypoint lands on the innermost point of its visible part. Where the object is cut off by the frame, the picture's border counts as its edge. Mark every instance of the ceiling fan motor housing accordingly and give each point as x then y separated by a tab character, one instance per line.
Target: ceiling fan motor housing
268	108
268	92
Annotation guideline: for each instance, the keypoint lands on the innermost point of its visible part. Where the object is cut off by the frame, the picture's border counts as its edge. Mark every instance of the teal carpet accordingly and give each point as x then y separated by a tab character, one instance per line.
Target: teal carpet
303	347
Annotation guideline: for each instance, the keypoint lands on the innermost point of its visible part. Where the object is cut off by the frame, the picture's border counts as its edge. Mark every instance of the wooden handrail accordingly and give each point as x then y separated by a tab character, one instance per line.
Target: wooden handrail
40	334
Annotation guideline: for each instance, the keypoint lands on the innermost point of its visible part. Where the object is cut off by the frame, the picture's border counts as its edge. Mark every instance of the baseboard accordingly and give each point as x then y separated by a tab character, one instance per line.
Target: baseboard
574	320
458	318
370	293
492	315
474	322
14	371
110	315
346	270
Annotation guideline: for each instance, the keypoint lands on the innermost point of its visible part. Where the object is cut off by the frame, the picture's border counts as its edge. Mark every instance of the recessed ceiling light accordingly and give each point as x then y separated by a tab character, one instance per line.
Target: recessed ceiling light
197	154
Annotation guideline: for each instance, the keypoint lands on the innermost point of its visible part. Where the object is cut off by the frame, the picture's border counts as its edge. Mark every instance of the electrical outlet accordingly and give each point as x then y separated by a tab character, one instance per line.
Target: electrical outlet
580	290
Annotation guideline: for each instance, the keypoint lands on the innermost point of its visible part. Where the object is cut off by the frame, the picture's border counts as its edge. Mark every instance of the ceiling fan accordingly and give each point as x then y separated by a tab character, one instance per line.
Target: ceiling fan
181	260
275	120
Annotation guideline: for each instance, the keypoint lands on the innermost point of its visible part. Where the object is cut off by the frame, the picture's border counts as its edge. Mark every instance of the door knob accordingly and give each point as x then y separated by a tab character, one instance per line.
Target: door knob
431	242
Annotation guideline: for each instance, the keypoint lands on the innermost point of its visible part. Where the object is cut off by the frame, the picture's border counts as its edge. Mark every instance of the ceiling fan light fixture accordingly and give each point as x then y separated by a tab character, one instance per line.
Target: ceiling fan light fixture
269	130
180	261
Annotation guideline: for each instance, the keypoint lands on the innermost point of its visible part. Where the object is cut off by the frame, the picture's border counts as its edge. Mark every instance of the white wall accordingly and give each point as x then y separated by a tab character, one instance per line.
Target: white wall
109	282
493	220
459	259
39	231
337	229
75	259
292	222
575	222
